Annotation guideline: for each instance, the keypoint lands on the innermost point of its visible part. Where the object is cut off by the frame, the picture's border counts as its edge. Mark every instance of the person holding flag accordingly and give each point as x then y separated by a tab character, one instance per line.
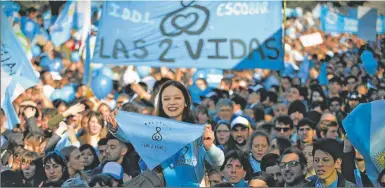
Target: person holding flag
174	102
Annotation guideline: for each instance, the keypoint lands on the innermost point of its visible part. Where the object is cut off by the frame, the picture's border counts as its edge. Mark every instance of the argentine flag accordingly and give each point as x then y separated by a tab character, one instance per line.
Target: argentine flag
62	28
17	73
365	127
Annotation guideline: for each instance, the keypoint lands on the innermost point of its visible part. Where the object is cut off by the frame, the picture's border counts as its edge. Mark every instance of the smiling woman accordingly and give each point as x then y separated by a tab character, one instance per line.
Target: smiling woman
187	167
174	102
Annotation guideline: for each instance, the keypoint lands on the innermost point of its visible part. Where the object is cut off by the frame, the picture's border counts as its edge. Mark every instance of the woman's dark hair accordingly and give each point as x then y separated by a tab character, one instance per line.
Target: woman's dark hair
187	115
330	146
60	160
259	114
102	180
283	143
95	163
270	182
255	134
58	102
318	88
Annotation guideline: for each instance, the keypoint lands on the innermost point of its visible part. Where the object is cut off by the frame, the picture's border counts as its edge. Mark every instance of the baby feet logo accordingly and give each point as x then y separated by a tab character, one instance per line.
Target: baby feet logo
332	18
191	19
157	136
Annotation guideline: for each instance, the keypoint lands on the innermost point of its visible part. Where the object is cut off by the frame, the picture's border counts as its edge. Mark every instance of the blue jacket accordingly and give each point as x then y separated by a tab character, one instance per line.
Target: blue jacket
186	168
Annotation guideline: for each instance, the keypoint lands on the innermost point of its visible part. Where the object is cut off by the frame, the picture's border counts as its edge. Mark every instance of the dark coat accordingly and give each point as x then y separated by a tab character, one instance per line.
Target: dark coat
341	182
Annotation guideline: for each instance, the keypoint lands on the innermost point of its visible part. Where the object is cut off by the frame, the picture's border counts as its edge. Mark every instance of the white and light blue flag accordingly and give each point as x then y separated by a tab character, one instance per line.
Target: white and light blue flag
155	138
62	28
17	73
365	128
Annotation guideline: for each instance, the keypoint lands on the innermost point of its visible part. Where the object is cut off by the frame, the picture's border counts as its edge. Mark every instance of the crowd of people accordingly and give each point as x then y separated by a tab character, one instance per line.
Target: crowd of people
262	127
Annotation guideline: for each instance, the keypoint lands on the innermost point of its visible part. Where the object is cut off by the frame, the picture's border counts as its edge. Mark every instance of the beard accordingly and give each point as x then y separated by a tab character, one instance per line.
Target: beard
242	143
297	180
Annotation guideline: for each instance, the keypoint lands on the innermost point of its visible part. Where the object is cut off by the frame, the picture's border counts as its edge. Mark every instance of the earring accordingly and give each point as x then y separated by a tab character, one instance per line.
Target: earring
185	105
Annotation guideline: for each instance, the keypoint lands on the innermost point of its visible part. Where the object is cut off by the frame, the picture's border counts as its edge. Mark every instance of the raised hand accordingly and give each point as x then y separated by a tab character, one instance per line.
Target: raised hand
208	137
75	109
111	120
61	129
29	111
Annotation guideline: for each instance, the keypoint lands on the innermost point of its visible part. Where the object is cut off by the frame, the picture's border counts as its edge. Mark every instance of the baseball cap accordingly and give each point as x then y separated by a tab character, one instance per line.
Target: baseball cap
212	95
240	121
113	169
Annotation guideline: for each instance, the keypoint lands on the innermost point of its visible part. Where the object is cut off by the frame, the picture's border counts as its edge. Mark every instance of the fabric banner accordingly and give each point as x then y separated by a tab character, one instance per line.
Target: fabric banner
62	28
311	39
154	138
367	23
365	128
17	73
200	34
336	22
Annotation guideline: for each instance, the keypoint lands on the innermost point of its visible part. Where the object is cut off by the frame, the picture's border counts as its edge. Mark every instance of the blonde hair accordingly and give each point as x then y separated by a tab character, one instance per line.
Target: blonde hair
29	156
35	143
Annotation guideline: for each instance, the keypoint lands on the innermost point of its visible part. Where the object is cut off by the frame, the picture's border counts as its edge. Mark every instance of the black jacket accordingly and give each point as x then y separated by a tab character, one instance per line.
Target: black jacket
341	182
348	167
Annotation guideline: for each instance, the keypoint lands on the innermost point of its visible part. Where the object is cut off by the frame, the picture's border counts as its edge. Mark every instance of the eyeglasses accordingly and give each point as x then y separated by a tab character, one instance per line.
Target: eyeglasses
291	164
278	129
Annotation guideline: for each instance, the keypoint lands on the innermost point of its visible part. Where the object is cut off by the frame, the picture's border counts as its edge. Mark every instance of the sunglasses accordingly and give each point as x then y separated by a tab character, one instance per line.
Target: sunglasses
280	129
359	160
291	164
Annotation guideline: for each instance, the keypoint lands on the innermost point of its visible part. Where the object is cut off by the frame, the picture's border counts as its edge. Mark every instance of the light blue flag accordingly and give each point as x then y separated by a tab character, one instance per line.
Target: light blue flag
367	23
30	28
381	24
17	73
47	19
323	77
352	13
156	139
336	22
365	128
195	34
61	29
304	68
214	77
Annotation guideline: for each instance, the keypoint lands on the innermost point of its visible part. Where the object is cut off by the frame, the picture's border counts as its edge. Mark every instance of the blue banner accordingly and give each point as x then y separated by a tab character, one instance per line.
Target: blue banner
200	34
61	29
336	22
156	139
365	129
17	73
367	23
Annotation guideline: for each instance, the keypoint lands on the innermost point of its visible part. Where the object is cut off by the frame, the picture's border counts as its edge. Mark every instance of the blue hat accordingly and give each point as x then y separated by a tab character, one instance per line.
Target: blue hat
114	170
